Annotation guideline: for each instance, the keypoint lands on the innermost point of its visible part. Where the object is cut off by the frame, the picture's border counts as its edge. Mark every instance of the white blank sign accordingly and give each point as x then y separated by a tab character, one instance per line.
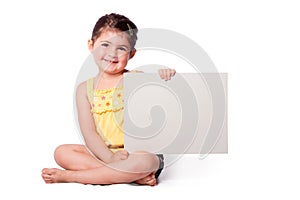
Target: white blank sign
187	114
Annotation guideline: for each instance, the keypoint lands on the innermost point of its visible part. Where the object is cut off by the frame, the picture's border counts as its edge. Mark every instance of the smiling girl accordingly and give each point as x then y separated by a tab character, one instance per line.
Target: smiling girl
100	107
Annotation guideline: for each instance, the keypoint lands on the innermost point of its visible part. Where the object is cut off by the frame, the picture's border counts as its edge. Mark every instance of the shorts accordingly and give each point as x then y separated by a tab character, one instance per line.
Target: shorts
161	165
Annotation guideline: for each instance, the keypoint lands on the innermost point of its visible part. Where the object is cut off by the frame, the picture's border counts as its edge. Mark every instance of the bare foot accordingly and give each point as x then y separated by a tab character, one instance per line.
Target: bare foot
148	180
54	175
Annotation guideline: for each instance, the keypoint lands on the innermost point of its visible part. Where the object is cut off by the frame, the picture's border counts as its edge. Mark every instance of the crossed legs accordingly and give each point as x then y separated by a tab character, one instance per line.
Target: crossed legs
81	167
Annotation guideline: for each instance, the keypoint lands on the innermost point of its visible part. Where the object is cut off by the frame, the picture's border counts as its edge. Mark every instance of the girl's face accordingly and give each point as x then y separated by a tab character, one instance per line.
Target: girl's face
111	51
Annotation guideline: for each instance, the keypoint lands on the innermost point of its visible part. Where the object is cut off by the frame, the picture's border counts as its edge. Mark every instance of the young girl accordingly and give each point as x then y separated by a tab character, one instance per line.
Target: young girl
100	114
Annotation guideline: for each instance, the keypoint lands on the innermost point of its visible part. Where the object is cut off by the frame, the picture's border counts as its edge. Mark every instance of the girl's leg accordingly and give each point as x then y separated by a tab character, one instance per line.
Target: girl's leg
75	157
137	166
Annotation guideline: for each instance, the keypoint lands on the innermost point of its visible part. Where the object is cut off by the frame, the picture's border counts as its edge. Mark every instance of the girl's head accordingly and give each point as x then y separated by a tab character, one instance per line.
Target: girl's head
118	23
112	42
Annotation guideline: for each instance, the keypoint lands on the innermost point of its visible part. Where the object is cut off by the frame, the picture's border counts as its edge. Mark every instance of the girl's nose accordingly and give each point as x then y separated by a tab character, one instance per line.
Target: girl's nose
112	53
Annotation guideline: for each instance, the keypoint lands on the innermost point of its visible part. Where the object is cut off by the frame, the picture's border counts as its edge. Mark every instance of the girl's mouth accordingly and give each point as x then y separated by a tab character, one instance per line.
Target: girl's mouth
111	61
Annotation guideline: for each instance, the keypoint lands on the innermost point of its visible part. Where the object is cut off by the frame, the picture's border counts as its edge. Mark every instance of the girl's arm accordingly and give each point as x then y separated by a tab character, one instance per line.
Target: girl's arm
88	129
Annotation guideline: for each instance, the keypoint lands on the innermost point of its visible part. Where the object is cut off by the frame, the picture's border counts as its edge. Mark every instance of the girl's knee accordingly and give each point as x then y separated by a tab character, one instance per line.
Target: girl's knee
61	151
145	161
61	148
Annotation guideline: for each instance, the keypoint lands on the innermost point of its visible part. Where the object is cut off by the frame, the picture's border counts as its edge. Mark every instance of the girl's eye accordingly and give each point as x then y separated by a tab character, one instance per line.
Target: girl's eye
122	49
104	45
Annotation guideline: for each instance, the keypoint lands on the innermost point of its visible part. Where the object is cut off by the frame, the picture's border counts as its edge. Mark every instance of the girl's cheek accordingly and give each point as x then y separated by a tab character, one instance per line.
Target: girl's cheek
99	53
124	56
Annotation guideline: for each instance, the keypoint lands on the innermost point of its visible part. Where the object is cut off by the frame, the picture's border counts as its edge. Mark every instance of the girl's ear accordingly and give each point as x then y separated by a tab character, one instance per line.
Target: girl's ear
90	45
132	53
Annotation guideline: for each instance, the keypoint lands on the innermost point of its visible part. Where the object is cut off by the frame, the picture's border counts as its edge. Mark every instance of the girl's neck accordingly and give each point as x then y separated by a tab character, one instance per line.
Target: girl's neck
107	76
106	81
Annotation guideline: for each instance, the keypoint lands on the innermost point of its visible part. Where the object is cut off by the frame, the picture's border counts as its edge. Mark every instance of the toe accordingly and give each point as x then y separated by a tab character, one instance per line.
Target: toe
152	182
46	176
48	181
47	171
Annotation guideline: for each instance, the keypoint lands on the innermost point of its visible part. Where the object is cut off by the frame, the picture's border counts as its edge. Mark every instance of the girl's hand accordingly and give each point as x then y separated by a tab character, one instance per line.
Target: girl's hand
166	74
119	155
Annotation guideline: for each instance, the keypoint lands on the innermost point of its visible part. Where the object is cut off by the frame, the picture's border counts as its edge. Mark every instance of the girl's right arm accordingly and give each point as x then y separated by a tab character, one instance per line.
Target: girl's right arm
87	126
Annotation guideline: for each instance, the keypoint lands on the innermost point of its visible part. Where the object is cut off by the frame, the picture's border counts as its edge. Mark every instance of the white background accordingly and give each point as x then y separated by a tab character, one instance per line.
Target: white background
43	45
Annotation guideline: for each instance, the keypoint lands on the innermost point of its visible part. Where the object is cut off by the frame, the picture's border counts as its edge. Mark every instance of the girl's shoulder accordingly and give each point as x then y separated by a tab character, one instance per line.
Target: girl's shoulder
85	89
85	85
81	88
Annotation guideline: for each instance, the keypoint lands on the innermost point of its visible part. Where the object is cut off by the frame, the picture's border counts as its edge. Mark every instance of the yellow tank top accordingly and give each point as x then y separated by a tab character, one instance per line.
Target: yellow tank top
107	107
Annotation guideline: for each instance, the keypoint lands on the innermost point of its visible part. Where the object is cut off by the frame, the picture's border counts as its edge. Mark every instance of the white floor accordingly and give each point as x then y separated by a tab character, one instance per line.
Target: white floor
215	177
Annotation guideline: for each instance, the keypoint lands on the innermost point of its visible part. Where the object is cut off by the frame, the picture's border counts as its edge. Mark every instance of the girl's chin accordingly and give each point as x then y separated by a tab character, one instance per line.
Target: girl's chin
111	70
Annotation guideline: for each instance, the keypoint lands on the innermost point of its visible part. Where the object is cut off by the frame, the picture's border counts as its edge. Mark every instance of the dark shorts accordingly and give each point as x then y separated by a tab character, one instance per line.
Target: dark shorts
161	165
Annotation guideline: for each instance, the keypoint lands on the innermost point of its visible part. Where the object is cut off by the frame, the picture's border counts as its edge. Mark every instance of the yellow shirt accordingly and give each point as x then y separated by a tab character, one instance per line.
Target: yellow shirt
107	109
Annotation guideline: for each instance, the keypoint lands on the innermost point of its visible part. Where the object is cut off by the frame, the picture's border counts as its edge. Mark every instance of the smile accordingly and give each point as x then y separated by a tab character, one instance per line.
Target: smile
111	61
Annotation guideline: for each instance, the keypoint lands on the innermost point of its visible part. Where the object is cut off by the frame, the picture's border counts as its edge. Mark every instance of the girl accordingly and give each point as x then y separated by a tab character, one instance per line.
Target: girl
100	114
